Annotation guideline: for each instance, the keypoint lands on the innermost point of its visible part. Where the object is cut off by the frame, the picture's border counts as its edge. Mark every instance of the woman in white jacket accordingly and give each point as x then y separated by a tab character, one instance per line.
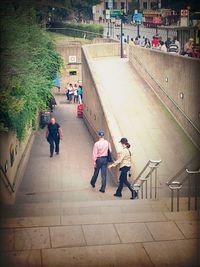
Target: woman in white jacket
124	162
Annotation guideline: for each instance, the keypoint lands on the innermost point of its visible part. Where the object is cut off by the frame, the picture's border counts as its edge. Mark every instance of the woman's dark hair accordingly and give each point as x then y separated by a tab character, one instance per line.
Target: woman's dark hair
128	145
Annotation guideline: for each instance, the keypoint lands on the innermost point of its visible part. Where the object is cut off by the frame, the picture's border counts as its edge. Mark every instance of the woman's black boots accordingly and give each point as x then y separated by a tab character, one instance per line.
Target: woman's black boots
134	194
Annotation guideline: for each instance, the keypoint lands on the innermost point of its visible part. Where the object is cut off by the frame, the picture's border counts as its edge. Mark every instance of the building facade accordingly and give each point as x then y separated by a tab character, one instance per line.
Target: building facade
128	6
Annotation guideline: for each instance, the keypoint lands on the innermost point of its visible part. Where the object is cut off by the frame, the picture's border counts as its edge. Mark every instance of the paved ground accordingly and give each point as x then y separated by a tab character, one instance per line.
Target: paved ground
59	220
65	177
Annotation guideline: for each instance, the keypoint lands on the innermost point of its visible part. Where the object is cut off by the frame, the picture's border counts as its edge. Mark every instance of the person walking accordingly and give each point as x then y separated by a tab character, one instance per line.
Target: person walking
124	161
53	136
100	160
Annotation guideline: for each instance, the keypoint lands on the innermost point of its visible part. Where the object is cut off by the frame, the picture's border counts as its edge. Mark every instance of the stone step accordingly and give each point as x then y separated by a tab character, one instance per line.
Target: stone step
117	206
99	218
82	207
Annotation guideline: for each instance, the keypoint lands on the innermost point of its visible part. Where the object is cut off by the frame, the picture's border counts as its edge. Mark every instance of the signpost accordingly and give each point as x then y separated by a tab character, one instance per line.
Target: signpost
137	18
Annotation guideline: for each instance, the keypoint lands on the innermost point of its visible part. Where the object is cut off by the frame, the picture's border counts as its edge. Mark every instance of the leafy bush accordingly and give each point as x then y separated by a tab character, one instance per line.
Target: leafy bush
29	64
79	30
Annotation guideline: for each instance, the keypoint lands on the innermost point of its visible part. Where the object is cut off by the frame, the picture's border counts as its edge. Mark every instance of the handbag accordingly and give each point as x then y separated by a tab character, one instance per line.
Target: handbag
109	157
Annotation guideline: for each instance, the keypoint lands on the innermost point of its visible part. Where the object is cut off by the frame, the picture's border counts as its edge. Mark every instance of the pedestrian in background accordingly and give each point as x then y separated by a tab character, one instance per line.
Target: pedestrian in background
100	160
124	162
80	92
53	136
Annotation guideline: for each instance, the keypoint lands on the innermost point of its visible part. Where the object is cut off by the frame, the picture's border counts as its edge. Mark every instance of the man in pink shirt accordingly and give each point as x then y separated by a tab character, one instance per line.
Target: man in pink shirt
100	160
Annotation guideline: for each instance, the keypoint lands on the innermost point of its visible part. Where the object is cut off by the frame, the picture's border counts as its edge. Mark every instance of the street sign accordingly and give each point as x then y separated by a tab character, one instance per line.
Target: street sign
115	13
137	17
107	14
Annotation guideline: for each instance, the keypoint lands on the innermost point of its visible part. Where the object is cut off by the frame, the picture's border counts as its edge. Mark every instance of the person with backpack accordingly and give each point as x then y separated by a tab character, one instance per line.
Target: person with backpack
124	162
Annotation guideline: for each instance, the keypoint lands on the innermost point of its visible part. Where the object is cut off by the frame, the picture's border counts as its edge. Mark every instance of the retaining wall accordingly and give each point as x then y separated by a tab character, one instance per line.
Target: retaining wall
176	81
14	156
97	113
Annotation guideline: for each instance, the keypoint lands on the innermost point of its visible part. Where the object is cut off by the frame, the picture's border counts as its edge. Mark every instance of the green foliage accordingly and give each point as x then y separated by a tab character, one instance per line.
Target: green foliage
89	31
29	65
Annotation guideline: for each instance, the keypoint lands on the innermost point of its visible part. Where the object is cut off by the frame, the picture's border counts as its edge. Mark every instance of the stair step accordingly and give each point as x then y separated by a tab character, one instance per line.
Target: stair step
82	208
98	218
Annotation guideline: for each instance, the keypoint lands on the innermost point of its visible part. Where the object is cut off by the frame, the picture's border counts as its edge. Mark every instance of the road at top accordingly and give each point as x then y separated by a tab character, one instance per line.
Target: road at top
131	31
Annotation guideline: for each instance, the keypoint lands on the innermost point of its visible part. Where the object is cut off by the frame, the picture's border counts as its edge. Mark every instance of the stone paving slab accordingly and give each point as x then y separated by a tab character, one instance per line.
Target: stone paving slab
30	222
180	216
179	253
31	238
97	256
190	229
112	218
133	232
28	258
6	239
67	236
104	234
164	231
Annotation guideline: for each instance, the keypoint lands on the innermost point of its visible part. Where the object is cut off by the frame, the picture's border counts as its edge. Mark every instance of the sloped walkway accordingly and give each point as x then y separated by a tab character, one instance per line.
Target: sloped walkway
66	176
151	130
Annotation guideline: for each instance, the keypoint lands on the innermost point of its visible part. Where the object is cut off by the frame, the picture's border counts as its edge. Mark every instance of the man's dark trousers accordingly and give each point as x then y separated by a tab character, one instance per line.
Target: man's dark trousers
51	141
101	163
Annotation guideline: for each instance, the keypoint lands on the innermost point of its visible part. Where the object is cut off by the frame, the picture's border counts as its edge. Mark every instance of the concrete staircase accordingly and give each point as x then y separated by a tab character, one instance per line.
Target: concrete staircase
98	233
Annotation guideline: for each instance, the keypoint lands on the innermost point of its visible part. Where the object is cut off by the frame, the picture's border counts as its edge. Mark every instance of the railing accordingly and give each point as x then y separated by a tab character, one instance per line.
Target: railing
147	175
6	180
175	185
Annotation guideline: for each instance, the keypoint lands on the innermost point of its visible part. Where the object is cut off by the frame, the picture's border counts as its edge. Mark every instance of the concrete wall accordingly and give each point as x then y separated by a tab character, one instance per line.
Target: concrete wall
14	156
66	50
97	113
176	81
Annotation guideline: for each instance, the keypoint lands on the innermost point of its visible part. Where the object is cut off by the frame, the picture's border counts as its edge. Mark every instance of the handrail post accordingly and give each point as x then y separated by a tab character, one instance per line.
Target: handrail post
155	183
146	189
172	200
178	199
151	185
148	176
196	193
142	191
175	186
196	183
189	192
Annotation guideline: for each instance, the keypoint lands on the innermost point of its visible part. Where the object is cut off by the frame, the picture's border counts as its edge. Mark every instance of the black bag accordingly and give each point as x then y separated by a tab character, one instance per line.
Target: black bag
109	157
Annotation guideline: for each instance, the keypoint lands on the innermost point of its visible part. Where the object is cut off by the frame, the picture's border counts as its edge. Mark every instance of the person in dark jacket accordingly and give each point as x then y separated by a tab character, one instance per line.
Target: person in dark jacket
53	136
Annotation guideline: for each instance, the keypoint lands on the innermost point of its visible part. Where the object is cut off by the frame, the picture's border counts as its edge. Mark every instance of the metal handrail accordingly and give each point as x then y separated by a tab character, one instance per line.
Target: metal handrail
181	171
153	165
6	180
177	186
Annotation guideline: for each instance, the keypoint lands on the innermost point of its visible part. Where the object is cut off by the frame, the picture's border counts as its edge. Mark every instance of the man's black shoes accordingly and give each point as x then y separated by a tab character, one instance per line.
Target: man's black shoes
116	195
93	185
102	191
